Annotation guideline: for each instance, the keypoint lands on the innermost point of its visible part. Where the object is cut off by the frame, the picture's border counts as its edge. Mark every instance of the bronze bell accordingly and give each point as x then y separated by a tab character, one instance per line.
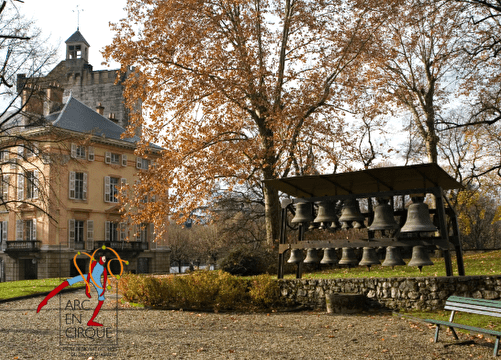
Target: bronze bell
369	258
311	257
383	217
330	257
418	217
296	256
393	257
358	225
326	213
420	257
351	213
348	257
304	213
346	225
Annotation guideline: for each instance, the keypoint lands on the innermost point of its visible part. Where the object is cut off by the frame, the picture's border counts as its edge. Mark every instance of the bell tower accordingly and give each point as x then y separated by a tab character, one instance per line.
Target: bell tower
77	47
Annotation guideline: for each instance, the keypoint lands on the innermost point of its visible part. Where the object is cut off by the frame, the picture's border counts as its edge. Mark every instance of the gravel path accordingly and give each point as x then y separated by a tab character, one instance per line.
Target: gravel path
156	334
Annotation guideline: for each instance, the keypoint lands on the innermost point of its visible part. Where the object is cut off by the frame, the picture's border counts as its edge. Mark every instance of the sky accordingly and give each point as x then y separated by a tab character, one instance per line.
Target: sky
58	20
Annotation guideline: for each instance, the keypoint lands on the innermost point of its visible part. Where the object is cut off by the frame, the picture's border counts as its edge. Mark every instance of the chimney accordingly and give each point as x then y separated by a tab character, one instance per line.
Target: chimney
111	117
100	109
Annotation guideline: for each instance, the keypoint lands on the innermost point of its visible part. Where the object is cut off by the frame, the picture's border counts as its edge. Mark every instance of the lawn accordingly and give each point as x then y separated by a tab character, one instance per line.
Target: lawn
488	263
27	287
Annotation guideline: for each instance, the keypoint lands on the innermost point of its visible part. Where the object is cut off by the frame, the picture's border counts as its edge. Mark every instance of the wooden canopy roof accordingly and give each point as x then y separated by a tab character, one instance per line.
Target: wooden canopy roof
397	178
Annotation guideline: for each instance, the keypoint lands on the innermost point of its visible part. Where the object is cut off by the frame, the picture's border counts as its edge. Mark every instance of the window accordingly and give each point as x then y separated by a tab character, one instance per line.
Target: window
26	230
76	232
115	231
90	156
3	230
111	188
143	233
115	159
78	185
142	164
112	158
32	184
32	149
4	155
78	151
5	187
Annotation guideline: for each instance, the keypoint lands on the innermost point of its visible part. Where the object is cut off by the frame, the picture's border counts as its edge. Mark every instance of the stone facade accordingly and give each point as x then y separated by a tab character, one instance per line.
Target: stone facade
421	293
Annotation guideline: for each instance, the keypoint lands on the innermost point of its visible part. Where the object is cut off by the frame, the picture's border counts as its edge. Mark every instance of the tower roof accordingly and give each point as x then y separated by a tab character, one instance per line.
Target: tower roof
77	37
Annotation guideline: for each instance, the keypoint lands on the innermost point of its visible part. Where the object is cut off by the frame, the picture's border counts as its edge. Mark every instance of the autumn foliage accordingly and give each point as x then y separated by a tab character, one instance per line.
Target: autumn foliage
241	91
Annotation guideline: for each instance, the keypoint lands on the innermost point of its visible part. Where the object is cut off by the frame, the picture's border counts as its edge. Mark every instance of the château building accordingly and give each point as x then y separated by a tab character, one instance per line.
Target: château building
62	176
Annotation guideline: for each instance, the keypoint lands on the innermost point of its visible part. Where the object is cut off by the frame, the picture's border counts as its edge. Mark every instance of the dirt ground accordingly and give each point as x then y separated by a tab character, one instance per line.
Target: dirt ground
136	333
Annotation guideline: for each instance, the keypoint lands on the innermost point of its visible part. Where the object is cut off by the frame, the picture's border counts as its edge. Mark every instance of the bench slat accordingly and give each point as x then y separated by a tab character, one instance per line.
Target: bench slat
472	301
465	327
474	310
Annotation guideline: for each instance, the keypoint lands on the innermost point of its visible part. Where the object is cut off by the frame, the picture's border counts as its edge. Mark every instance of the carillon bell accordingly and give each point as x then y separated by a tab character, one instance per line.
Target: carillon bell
351	213
348	257
330	257
358	225
304	213
296	256
418	217
369	258
311	257
326	214
393	257
383	217
420	257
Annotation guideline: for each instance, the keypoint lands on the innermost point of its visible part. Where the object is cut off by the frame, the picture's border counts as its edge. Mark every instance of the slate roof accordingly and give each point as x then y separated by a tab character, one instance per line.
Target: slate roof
76	116
77	37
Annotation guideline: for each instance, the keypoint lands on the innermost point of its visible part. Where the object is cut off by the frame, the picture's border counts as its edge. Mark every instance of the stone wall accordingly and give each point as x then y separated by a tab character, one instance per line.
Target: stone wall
421	293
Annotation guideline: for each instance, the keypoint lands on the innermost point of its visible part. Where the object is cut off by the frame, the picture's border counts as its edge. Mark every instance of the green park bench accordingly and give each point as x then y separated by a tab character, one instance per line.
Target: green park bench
473	306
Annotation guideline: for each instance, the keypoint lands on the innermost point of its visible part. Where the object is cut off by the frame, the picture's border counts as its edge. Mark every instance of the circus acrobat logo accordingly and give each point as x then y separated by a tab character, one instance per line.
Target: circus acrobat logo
72	311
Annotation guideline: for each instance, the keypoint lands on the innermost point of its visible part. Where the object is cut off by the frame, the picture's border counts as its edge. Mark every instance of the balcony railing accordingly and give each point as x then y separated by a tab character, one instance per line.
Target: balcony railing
23	245
122	245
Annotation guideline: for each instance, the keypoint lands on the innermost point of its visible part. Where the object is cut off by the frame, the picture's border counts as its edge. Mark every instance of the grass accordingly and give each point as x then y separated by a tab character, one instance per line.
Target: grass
488	263
481	321
13	289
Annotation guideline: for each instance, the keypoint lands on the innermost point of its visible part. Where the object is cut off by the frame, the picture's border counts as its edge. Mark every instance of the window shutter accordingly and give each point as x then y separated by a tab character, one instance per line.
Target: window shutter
123	182
72	185
107	231
107	191
90	230
20	152
73	150
71	231
84	190
138	163
19	230
124	159
36	184
5	187
5	227
107	157
136	233
122	231
20	186
91	156
152	232
34	230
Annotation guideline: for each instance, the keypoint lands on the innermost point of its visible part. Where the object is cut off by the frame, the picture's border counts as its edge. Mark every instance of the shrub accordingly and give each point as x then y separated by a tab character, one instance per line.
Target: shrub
264	291
248	262
202	290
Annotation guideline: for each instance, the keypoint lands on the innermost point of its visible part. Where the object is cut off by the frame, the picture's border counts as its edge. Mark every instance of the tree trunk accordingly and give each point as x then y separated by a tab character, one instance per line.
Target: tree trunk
272	214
